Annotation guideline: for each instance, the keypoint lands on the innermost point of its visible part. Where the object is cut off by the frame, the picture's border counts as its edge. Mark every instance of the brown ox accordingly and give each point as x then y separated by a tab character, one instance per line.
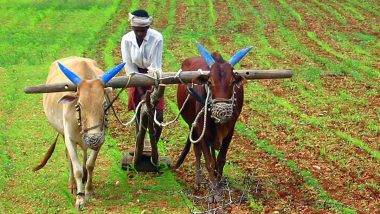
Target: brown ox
80	117
224	107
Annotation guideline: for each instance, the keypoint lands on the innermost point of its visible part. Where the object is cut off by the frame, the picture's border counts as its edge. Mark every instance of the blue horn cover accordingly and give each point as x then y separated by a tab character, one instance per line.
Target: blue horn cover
205	55
70	74
112	72
239	55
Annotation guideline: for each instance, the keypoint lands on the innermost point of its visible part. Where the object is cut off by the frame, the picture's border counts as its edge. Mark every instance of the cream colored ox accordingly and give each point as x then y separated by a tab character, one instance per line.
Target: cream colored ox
79	116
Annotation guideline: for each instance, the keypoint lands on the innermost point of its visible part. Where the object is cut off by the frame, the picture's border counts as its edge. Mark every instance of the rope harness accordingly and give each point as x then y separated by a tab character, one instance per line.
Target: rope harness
203	111
221	110
95	145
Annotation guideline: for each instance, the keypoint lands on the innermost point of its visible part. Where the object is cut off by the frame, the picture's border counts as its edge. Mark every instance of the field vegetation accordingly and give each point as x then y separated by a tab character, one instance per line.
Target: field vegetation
310	144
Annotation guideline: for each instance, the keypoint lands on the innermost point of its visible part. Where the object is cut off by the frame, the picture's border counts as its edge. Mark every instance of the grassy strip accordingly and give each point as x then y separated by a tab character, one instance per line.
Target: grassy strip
366	6
306	175
114	39
167	34
353	64
5	161
352	11
281	114
358	143
262	48
292	12
361	49
313	97
341	19
347	65
212	22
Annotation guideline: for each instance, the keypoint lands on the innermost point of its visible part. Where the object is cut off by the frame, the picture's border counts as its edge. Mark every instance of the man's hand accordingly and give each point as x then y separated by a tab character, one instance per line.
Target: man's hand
154	72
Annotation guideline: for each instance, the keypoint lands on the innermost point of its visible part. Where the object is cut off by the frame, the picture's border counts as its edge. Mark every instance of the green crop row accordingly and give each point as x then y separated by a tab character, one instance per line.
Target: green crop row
308	178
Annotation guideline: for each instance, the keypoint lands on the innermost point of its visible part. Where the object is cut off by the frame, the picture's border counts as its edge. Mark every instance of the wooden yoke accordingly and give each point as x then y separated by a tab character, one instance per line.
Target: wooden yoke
168	78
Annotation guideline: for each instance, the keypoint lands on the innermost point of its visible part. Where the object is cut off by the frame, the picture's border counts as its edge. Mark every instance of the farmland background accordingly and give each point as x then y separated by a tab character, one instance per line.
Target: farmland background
307	145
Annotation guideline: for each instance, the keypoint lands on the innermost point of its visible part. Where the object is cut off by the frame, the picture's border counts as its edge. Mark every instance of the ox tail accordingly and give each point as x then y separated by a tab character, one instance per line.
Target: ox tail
47	155
183	154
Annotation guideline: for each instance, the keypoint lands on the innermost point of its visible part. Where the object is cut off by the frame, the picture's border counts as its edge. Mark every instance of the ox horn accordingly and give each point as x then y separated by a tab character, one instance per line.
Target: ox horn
112	72
70	74
239	55
205	55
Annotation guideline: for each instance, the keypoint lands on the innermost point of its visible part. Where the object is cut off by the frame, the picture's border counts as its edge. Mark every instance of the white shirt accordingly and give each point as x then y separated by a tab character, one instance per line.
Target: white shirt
148	55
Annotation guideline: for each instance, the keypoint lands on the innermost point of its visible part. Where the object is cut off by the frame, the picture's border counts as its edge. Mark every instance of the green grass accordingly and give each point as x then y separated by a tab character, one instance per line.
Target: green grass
33	34
339	17
293	12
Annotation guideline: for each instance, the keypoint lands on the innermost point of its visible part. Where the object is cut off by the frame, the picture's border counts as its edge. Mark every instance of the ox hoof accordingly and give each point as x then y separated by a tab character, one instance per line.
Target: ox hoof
198	179
145	163
79	203
215	198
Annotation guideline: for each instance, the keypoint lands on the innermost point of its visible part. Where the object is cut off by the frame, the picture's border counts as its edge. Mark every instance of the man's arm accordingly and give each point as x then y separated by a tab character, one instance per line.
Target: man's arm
126	56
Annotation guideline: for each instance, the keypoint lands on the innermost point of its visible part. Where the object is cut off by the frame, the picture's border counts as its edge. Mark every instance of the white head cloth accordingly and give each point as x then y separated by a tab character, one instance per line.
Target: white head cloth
137	21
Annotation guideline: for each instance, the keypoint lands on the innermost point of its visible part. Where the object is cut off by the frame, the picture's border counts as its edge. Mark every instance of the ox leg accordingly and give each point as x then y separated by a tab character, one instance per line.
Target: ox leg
77	170
211	169
72	184
213	154
198	155
139	146
210	163
84	179
90	165
221	161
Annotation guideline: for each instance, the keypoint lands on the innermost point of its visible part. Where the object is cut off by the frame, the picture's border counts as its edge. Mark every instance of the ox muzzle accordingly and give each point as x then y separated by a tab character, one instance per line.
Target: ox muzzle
222	110
93	141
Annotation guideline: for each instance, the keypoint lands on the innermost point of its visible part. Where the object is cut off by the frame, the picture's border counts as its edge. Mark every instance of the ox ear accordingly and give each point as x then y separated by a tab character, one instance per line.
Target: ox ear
205	55
239	80
108	91
67	99
70	74
112	72
239	55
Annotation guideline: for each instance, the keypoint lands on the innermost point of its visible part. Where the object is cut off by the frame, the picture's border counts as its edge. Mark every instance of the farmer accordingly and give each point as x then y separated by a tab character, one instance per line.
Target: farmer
141	50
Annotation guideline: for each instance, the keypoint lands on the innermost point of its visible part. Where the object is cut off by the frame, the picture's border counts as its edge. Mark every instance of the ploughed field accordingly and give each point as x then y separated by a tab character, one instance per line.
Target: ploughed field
310	144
